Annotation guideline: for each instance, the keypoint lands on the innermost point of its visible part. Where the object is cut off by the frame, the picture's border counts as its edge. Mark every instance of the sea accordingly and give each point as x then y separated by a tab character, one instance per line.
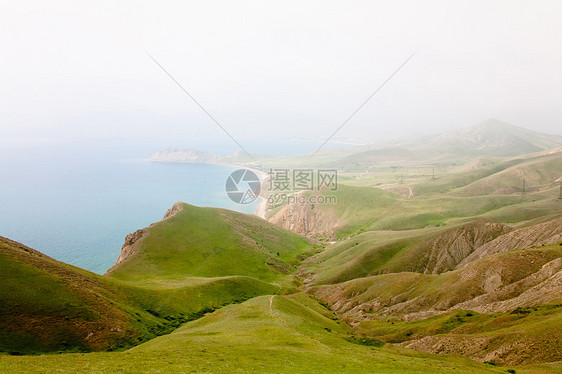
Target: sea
76	201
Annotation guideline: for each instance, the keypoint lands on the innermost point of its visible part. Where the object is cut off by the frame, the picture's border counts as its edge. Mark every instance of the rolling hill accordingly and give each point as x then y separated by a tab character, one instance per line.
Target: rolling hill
50	306
397	273
489	138
211	242
507	306
274	334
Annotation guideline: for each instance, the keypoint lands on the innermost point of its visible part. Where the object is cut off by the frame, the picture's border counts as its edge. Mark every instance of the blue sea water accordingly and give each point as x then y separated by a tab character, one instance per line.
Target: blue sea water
76	202
77	206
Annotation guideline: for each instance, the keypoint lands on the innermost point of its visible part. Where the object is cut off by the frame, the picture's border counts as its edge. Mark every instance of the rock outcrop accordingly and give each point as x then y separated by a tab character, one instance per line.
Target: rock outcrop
177	207
307	220
446	250
134	240
536	235
131	247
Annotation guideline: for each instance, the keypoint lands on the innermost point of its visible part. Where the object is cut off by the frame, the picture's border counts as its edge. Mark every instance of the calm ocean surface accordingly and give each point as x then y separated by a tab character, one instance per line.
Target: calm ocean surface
77	202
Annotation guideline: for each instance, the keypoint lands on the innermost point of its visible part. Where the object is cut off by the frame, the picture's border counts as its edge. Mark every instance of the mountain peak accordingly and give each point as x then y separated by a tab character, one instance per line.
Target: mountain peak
493	124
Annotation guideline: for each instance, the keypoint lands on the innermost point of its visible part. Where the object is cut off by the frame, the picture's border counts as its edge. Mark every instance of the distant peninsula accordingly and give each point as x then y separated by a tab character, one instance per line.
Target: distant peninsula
187	155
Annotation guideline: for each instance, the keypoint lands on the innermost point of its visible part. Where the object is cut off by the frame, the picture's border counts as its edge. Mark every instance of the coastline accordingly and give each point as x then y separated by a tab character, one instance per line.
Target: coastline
261	209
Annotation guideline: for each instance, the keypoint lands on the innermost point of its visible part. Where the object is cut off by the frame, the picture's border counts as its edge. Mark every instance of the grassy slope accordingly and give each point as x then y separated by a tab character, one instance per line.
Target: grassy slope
209	242
489	138
524	335
51	306
265	334
535	171
386	242
235	250
48	305
398	251
361	209
385	228
445	290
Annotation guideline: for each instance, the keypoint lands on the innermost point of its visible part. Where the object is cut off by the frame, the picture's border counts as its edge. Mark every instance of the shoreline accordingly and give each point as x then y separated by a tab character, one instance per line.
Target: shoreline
261	209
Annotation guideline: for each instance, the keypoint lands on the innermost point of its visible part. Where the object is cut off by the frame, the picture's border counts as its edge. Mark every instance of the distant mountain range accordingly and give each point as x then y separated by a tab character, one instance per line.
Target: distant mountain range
489	138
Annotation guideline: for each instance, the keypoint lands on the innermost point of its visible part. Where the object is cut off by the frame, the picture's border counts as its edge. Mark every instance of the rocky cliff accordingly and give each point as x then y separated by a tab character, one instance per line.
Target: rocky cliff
307	220
446	250
543	233
133	240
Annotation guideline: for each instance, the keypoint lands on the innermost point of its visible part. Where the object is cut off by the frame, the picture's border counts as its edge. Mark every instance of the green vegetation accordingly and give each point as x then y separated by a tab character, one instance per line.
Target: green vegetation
50	306
210	258
410	307
265	334
209	242
423	263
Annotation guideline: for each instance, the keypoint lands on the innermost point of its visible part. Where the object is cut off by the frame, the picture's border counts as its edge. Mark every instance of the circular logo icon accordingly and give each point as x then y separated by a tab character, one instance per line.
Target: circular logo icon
243	186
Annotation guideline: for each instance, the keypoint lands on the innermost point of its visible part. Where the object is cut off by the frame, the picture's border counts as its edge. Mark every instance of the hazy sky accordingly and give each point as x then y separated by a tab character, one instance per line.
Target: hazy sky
78	69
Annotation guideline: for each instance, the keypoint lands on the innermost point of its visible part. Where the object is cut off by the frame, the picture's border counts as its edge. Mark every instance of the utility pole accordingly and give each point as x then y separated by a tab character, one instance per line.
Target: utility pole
560	197
523	185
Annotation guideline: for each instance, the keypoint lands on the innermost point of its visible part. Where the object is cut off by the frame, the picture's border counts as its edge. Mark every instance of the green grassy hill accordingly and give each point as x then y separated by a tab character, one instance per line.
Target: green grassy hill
423	251
211	242
273	334
49	306
489	138
526	175
196	261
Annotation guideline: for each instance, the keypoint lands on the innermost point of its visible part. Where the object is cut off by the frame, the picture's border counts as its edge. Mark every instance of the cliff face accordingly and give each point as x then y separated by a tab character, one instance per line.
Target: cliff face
307	220
134	240
445	251
177	207
131	246
536	235
186	155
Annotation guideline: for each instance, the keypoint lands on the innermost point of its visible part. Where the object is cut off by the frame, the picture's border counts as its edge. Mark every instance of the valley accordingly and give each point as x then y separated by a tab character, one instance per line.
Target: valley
442	254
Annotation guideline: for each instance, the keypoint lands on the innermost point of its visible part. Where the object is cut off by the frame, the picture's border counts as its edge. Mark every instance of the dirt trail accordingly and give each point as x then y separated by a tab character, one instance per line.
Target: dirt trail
274	313
364	173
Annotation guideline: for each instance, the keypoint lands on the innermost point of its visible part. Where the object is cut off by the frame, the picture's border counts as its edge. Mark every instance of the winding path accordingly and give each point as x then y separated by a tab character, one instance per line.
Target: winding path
274	313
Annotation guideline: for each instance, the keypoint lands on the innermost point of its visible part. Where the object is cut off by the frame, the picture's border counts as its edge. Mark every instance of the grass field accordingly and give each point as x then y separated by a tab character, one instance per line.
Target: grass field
264	334
209	258
50	306
208	242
